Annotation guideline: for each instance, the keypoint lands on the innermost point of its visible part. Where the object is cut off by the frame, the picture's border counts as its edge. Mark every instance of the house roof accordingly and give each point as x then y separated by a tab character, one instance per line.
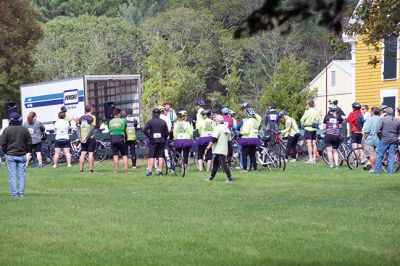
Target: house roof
344	65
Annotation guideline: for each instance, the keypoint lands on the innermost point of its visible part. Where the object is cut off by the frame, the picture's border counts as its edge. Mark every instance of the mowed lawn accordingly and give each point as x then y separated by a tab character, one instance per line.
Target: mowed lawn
306	215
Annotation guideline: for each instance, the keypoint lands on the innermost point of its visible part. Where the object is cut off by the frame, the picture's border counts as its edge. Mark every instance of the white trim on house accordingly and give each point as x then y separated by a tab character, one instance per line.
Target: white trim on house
389	92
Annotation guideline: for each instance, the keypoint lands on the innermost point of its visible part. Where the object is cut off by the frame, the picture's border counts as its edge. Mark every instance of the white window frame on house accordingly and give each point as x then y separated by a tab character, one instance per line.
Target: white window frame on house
333	78
390	93
397	59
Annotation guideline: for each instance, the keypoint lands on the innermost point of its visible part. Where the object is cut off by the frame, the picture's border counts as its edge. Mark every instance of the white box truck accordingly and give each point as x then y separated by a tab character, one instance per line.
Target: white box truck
47	98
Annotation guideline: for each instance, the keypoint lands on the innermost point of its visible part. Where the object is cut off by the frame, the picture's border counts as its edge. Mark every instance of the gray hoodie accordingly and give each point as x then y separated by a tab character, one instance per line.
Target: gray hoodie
35	130
388	127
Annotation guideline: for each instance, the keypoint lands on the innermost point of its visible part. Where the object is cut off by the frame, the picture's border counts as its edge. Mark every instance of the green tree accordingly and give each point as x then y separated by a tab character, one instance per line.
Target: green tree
375	20
232	83
19	34
50	9
136	11
287	88
166	79
87	45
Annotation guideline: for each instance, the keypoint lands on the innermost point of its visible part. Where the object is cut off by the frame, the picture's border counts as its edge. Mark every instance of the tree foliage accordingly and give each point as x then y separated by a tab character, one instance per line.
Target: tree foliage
375	20
87	45
19	34
50	9
136	11
287	88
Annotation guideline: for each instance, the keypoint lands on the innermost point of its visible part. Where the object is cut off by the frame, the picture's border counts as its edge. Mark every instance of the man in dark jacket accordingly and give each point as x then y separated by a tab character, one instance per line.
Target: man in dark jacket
387	129
272	118
157	132
16	142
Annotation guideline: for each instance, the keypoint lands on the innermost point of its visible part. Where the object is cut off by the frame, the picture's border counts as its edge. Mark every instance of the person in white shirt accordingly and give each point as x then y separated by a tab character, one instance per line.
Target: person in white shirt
62	128
365	113
164	116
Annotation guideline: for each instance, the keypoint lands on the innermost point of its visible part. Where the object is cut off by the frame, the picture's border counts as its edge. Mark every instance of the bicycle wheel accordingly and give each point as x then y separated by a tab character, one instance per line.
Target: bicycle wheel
3	161
179	166
47	152
75	150
354	159
326	157
276	162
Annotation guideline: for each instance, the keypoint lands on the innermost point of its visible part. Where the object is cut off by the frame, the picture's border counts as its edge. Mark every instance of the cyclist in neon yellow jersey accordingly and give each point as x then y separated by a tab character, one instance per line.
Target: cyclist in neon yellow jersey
205	131
310	120
249	139
183	134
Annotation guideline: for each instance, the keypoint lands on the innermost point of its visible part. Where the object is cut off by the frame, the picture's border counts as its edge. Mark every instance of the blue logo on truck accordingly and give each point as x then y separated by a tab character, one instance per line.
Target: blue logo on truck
68	97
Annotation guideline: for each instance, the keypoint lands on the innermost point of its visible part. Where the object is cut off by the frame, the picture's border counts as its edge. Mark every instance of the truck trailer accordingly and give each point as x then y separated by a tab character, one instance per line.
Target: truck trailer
101	91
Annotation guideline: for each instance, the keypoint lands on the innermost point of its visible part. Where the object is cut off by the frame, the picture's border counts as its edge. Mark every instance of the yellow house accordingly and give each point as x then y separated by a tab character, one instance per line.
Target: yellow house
380	84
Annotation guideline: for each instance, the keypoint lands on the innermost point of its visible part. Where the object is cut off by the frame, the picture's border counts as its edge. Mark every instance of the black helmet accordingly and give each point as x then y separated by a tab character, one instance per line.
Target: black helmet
283	112
206	113
356	105
156	112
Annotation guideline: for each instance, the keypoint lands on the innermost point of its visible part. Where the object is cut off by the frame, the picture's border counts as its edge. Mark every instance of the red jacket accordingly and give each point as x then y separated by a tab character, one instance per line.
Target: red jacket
352	119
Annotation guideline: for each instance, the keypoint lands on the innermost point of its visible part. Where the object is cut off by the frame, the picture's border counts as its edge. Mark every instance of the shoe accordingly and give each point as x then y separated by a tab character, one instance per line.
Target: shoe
209	179
149	173
69	165
286	160
292	161
134	167
244	171
309	162
367	167
54	166
91	172
228	180
159	173
337	166
331	166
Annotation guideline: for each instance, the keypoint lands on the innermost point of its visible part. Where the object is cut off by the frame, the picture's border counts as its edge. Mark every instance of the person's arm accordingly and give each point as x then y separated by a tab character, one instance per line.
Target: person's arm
288	126
267	119
214	138
146	130
28	141
379	127
90	133
190	131
351	118
303	118
175	132
3	141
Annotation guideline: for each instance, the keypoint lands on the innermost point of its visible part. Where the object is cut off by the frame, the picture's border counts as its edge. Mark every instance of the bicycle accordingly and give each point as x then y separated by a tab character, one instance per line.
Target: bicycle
3	160
266	157
173	161
343	152
100	152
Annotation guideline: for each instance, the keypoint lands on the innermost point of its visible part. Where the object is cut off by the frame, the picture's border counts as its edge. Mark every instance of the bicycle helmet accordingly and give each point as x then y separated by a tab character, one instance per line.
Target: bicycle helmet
199	102
356	105
333	101
283	112
182	113
206	113
245	105
162	108
231	112
156	112
225	111
332	107
250	112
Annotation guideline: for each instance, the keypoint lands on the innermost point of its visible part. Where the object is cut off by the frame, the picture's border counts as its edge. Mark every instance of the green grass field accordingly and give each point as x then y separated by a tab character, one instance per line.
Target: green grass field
306	215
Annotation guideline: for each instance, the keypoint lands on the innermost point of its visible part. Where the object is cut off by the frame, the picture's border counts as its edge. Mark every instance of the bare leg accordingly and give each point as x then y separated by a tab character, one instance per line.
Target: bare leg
200	165
28	158
39	158
336	157
116	162
56	156
160	164
330	156
209	165
150	164
310	150
125	162
67	152
91	161
82	160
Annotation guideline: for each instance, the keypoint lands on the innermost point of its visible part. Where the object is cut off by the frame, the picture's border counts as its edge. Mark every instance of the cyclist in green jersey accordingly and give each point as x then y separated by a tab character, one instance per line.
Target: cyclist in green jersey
117	127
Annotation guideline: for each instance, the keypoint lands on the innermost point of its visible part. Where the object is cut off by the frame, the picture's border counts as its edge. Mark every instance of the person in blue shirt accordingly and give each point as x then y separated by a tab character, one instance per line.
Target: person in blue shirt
370	137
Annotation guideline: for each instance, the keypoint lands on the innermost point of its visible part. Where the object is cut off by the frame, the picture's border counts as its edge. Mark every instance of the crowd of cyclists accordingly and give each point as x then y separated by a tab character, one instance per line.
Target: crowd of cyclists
213	134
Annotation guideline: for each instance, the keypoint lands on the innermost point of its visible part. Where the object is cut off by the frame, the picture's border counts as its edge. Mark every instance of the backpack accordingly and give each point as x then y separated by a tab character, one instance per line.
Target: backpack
361	121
